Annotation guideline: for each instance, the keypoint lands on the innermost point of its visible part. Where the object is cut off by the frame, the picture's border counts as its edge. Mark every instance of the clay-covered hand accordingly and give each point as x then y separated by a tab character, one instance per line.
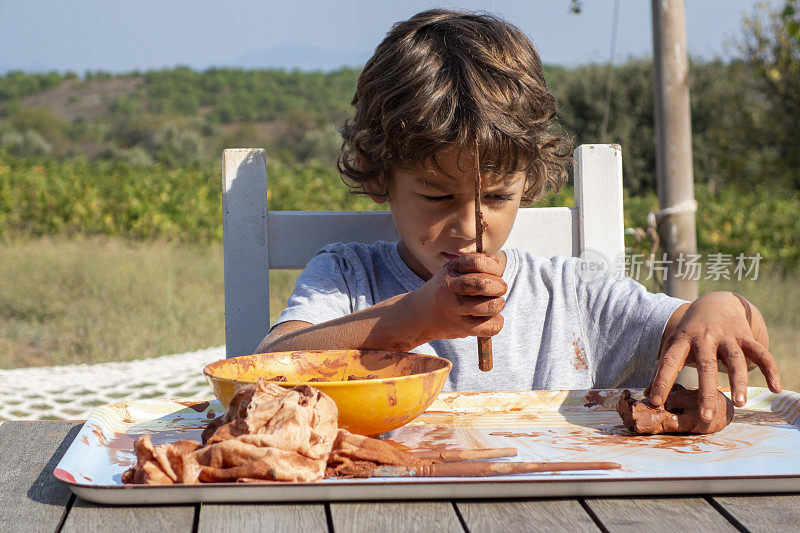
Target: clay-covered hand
464	298
718	326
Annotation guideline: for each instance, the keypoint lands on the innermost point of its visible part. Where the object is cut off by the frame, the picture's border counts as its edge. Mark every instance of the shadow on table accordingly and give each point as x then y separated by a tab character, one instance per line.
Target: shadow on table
46	488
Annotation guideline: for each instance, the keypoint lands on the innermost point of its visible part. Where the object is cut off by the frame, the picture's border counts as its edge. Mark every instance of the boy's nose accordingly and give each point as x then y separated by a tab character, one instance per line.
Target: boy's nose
462	221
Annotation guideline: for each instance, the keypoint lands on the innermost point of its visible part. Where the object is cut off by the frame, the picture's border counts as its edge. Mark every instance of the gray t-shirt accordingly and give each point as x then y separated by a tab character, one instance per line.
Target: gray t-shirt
562	330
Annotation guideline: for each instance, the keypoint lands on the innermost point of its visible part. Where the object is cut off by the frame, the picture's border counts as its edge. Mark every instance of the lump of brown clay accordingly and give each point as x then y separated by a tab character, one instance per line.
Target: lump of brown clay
358	456
268	433
158	465
679	414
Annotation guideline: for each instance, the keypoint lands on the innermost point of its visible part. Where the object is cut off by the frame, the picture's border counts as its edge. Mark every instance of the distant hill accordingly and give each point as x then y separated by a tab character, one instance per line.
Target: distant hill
176	114
86	101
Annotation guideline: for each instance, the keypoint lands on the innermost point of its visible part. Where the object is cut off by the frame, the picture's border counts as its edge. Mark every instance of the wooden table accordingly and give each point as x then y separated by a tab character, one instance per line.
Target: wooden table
31	499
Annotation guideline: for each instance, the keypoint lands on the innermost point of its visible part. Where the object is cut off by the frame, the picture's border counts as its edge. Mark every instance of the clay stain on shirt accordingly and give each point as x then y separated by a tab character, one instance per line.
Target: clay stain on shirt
579	363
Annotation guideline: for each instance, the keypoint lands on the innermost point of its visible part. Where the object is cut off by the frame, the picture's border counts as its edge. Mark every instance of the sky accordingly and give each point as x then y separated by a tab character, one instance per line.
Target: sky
120	36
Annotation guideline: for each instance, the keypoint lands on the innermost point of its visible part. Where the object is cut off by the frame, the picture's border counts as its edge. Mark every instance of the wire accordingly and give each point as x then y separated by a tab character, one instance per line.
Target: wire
610	76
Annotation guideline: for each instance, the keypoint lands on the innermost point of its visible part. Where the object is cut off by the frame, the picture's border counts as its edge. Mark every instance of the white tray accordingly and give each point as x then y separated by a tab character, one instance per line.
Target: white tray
758	452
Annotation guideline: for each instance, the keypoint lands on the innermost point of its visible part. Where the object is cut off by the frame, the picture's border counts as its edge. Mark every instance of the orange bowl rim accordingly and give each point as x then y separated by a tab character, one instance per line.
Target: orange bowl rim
448	366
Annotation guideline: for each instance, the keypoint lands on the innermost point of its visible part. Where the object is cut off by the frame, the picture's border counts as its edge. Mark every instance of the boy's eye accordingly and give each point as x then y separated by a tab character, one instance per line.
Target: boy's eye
435	199
501	197
490	198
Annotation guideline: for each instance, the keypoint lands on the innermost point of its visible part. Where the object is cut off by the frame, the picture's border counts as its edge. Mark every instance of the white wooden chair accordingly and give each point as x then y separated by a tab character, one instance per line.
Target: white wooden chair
256	239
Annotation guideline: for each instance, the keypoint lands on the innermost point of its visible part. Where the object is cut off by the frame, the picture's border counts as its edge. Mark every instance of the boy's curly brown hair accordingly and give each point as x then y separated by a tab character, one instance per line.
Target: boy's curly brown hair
447	78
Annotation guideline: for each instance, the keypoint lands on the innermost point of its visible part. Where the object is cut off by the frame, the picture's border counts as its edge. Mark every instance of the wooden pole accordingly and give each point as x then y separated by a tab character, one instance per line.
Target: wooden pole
673	141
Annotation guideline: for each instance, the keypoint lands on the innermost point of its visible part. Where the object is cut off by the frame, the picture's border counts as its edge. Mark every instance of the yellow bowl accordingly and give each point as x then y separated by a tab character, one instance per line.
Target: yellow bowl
375	391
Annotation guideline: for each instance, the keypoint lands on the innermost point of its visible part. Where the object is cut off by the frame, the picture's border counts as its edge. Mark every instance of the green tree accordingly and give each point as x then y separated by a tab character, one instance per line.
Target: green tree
771	47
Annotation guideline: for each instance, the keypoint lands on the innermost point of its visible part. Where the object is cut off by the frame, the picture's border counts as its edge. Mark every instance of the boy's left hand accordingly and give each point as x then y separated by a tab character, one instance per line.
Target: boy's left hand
717	326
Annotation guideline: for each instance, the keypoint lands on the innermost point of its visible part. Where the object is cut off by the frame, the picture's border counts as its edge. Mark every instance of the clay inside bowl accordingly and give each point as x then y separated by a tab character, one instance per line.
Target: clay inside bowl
375	391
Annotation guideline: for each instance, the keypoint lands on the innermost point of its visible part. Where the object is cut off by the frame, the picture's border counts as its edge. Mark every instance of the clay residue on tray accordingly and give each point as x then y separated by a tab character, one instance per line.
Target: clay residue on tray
513	435
428	437
679	414
495	418
601	398
759	417
678	443
198	406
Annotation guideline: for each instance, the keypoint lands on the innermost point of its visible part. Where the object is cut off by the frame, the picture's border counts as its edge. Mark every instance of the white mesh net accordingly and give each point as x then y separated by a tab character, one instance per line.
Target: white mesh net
70	392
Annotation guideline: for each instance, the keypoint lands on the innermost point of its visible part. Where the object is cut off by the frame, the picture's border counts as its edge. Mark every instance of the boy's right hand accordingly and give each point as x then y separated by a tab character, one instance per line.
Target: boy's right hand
464	298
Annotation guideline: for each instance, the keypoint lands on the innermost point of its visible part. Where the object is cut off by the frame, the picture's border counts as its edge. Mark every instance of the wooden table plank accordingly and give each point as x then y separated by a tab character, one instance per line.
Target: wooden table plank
30	497
87	516
395	516
777	512
525	515
658	514
243	518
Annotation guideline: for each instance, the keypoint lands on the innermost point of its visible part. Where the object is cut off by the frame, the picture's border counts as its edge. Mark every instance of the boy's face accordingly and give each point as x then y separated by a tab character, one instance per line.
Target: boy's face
434	210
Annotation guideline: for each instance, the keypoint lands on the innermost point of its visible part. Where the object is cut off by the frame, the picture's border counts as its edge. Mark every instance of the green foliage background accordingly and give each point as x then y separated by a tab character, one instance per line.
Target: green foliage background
46	197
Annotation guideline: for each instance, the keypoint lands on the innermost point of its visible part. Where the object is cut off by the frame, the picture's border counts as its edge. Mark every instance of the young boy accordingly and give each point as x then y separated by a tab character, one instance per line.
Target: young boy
439	85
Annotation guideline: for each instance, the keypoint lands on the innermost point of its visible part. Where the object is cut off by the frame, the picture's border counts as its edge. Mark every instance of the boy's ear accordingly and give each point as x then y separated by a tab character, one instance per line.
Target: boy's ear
373	188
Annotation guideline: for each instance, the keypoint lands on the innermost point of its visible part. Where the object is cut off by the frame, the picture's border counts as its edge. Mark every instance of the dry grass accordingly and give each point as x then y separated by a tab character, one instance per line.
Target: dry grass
105	299
90	300
776	294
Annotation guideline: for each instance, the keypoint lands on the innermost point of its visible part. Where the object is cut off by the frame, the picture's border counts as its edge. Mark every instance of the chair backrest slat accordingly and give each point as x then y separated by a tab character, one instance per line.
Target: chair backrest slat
246	248
256	240
598	199
295	236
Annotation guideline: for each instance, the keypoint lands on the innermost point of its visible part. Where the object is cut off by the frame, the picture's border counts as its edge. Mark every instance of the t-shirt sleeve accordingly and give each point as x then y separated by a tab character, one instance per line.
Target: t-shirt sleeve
322	291
624	324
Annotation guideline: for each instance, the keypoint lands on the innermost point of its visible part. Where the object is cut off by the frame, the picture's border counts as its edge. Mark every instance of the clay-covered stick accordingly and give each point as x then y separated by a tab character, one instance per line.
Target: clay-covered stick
480	469
449	456
484	343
